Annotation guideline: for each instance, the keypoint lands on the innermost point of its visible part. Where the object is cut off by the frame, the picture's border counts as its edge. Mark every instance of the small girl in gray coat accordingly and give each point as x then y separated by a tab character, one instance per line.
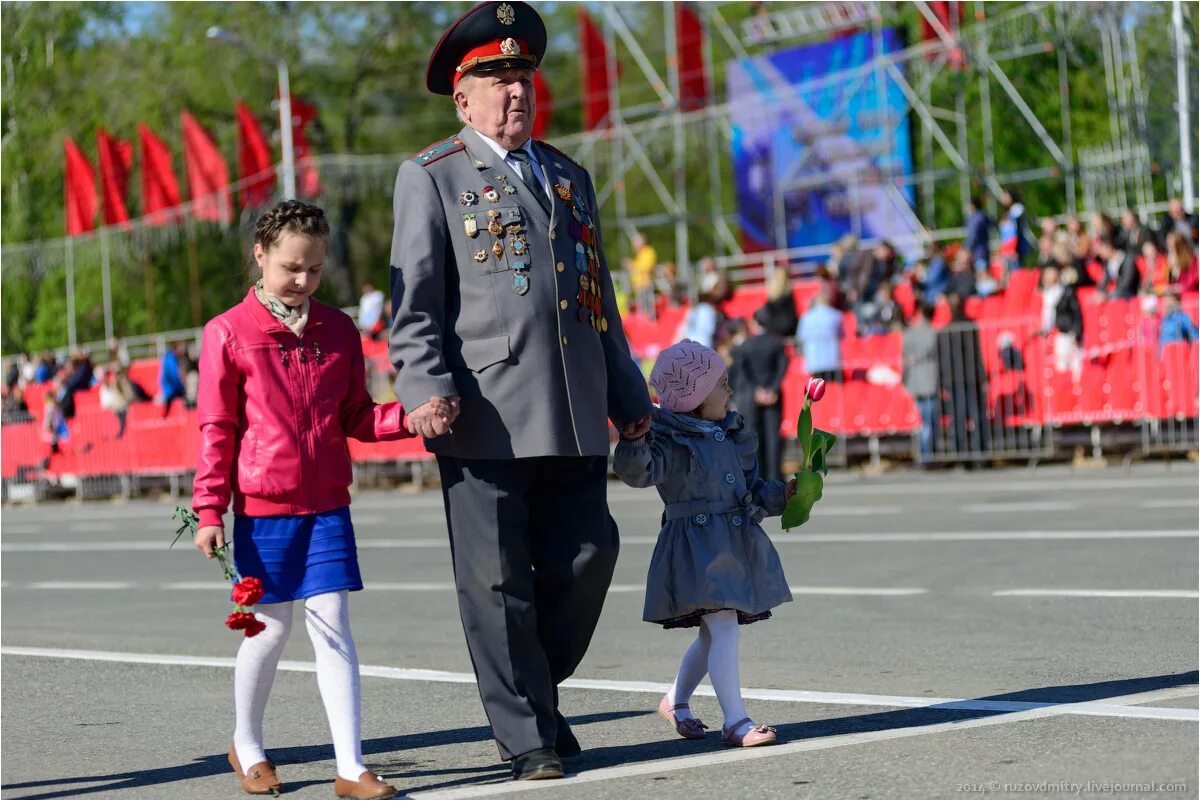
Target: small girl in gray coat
713	567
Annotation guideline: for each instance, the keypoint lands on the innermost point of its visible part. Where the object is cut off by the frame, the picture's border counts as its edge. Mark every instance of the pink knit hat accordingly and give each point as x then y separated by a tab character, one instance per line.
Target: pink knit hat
685	374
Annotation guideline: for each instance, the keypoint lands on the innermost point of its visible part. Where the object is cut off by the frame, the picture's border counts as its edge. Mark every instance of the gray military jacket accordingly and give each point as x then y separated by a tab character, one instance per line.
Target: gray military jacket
507	307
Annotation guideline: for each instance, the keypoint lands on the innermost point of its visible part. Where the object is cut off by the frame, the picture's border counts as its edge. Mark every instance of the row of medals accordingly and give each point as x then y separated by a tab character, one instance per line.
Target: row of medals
583	231
587	264
513	231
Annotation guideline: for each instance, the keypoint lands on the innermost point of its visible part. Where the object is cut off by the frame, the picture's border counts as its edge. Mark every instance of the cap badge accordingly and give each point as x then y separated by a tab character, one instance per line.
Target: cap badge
506	15
509	47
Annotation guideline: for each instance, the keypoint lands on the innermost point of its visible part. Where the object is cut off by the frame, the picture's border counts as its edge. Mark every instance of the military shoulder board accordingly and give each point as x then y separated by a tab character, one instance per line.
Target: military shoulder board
559	153
439	150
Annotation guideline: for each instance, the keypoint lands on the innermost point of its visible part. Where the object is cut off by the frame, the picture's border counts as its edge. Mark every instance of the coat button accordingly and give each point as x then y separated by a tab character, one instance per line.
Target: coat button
553	235
564	340
562	304
719	436
737	520
701	519
560	267
730	478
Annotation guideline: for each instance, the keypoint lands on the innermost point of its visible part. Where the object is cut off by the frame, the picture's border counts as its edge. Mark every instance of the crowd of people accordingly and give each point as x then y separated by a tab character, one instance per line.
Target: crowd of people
178	380
943	368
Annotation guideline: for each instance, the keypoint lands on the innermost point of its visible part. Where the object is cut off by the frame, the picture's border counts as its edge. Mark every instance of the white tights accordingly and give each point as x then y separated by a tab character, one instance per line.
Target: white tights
327	617
715	652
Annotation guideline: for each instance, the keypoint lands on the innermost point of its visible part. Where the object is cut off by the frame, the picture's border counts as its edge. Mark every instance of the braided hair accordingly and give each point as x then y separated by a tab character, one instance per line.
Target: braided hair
290	216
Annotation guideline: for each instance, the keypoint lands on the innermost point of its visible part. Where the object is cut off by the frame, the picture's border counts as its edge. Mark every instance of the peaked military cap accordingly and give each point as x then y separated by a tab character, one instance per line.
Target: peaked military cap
490	37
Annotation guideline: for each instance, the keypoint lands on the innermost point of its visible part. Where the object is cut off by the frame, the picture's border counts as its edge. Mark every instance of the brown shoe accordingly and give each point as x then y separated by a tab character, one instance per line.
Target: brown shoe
261	779
368	786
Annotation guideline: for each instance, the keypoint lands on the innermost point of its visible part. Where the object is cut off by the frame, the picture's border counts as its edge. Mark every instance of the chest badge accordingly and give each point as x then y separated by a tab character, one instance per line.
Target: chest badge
491	195
481	255
468	198
470	225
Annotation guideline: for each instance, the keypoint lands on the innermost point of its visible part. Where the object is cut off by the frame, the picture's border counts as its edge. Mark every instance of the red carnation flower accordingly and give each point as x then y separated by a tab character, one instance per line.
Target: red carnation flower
255	628
247	592
241	620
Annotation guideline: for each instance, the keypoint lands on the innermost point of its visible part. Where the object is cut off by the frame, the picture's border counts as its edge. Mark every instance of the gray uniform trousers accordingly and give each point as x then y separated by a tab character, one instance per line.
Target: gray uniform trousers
534	549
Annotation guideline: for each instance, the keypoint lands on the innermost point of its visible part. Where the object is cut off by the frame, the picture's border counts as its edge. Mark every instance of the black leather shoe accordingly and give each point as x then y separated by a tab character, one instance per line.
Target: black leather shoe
541	763
566	746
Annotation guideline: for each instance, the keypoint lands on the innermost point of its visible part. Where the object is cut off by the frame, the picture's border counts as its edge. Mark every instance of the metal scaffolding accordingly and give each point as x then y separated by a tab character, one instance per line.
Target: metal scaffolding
644	146
675	163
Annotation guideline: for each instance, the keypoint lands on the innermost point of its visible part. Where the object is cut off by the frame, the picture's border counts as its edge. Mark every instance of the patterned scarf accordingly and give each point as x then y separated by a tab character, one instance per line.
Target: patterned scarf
294	317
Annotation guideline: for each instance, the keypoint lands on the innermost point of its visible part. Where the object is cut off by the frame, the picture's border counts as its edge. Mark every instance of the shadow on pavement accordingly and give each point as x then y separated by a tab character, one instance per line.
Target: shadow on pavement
603	757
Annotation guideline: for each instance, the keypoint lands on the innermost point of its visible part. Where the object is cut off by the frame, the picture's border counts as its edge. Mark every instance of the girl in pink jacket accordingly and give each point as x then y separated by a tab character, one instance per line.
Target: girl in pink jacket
282	386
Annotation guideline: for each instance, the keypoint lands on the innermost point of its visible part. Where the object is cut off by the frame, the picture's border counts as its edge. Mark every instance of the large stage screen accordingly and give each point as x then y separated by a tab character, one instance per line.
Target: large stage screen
816	131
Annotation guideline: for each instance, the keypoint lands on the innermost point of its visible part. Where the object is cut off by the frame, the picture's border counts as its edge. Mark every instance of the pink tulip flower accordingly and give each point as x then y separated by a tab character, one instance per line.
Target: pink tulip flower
815	389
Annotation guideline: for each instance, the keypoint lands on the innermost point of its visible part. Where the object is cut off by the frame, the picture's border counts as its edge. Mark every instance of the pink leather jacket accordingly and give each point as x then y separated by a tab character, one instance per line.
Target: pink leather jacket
275	411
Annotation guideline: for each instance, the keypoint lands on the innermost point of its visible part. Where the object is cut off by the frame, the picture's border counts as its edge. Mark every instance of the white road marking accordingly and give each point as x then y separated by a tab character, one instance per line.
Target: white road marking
366	543
855	511
92	526
206	586
10	529
1019	506
410	586
1099	593
1169	503
943	487
424	586
81	585
658	766
857	590
1106	708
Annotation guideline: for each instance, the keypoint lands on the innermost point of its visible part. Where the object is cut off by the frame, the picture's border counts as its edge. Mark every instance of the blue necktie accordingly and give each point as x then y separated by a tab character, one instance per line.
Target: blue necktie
525	170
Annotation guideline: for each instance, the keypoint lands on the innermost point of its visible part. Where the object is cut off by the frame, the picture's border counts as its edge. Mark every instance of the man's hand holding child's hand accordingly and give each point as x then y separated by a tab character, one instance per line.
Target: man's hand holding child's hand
637	429
434	418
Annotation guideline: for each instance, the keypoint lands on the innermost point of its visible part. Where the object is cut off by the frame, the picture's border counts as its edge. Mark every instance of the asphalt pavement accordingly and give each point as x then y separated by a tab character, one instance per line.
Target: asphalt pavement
1008	634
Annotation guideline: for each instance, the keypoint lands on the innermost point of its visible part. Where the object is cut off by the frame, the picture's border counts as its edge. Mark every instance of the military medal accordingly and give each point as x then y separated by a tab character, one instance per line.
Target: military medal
513	229
468	198
509	189
490	194
563	192
495	228
518	246
470	226
497	250
520	278
481	255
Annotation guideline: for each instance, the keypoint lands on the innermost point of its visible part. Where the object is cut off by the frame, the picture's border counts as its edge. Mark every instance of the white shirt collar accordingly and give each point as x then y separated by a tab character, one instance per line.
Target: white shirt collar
499	150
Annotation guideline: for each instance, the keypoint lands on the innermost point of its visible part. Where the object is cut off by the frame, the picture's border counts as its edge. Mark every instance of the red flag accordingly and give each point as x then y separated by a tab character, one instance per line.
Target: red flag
596	105
116	159
79	184
948	16
160	188
544	103
208	176
308	183
689	49
254	160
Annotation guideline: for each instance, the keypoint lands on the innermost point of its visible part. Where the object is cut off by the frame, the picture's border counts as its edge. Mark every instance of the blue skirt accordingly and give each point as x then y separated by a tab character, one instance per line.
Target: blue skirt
297	556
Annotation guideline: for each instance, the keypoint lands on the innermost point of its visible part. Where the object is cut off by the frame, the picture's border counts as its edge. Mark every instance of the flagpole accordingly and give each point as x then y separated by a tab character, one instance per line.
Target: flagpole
106	286
70	295
285	131
193	273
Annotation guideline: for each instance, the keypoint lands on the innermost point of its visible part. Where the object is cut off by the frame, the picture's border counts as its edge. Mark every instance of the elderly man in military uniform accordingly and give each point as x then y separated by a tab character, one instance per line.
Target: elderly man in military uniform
503	304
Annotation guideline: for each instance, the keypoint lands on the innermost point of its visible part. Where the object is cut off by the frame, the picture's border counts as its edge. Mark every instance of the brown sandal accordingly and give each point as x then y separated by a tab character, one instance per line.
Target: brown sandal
368	785
261	779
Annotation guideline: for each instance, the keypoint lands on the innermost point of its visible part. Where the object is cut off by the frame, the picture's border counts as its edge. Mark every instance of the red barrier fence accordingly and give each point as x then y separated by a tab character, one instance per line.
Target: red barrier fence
1122	376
